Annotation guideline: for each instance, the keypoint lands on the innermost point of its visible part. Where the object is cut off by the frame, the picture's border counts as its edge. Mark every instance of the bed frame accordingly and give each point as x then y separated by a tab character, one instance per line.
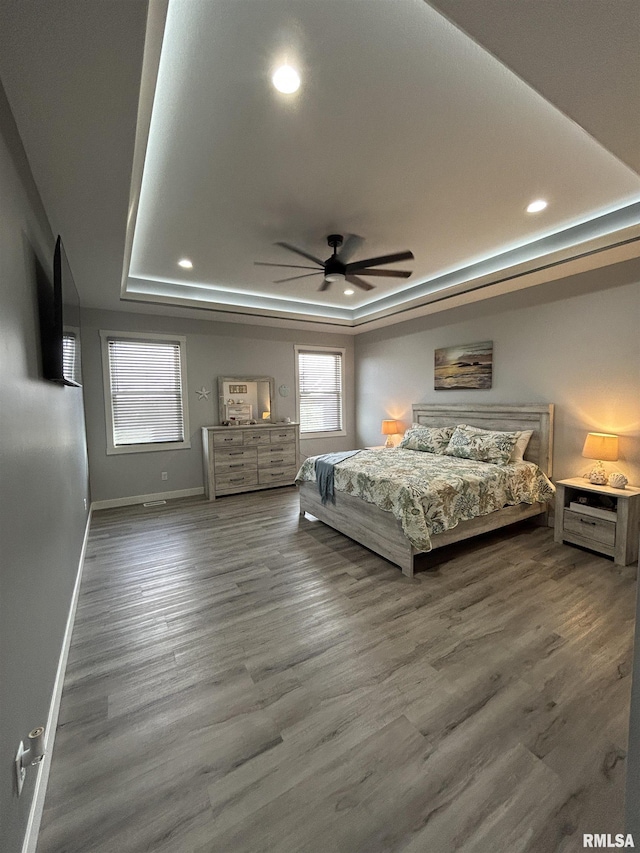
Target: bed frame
381	532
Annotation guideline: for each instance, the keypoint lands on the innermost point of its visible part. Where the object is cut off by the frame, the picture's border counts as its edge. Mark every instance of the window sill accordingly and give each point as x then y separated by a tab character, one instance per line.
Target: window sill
147	448
327	434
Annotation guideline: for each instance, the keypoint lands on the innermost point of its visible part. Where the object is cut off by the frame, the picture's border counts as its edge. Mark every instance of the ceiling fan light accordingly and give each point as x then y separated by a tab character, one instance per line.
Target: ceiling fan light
333	277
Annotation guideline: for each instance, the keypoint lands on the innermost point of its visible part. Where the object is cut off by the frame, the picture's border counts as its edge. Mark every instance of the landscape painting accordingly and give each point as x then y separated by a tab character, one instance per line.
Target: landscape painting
464	366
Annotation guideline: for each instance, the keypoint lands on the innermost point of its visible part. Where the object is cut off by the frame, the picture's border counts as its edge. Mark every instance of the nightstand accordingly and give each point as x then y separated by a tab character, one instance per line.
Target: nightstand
614	533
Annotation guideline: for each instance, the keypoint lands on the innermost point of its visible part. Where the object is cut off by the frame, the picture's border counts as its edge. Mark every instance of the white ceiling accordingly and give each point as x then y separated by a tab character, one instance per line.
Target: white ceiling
405	131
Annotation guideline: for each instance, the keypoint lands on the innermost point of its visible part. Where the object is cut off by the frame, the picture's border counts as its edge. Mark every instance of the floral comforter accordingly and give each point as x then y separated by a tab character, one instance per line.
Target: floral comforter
429	493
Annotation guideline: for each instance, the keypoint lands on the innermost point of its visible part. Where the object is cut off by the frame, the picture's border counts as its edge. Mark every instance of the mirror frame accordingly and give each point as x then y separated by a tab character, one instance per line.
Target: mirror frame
238	380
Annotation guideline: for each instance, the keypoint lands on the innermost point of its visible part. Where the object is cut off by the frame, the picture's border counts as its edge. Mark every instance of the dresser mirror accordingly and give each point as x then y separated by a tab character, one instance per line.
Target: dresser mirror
242	399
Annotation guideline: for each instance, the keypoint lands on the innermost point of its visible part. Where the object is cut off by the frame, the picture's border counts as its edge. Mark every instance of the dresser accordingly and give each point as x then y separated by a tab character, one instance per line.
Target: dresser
246	458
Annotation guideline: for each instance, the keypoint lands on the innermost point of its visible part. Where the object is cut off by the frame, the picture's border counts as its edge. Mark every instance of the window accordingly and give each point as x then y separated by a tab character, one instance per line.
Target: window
320	383
144	383
70	355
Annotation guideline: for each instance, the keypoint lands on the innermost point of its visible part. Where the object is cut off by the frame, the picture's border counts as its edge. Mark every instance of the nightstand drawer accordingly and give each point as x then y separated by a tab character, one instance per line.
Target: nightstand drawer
596	529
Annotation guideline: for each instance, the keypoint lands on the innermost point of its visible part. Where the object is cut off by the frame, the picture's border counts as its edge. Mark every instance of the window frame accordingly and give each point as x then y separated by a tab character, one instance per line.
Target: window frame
117	449
306	348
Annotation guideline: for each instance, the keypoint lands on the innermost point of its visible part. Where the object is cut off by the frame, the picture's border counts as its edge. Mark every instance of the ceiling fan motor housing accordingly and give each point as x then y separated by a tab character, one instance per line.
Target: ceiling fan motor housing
334	269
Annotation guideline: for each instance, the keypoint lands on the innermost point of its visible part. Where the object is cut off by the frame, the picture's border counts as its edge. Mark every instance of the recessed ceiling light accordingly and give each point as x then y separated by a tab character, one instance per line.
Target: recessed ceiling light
286	79
537	206
349	292
185	263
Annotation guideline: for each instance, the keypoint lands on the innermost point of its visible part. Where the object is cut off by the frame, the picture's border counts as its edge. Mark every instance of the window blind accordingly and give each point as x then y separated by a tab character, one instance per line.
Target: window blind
69	344
146	392
320	391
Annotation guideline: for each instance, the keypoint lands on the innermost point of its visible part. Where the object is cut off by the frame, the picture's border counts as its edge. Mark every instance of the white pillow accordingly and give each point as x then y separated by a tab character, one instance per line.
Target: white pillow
517	454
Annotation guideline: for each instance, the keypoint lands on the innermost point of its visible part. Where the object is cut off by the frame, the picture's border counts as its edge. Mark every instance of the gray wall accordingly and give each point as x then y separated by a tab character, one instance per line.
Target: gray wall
213	349
574	342
43	484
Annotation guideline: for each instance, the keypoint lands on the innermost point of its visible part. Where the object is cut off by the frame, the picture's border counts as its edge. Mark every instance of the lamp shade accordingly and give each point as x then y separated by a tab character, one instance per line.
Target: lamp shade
602	446
390	428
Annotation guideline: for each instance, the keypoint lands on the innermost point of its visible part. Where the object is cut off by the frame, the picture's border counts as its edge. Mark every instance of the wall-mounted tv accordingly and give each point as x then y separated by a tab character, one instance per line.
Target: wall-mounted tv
61	327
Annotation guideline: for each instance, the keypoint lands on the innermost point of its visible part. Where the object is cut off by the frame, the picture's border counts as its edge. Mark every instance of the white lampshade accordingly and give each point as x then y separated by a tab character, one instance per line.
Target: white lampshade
602	446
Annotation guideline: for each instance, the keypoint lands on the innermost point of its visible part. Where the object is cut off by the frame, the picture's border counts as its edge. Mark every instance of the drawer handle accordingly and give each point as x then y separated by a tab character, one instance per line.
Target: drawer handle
228	439
239	465
583	521
236	479
278	461
236	453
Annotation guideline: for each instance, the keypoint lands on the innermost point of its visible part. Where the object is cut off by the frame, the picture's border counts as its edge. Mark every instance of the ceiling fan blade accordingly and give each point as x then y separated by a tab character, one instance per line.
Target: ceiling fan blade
301	252
294	277
291	266
325	285
350	247
353	279
375	262
388	273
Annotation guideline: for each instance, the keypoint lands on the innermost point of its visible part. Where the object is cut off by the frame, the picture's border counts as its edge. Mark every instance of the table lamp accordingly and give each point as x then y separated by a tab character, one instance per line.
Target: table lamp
603	447
389	428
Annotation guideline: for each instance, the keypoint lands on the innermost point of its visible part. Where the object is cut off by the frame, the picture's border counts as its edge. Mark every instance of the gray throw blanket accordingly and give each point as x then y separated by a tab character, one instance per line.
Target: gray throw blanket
324	472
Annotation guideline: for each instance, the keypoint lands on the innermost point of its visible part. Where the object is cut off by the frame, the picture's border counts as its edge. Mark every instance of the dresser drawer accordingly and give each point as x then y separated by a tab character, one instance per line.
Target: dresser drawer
235	456
257	436
280	474
276	454
588	527
236	480
283	435
224	439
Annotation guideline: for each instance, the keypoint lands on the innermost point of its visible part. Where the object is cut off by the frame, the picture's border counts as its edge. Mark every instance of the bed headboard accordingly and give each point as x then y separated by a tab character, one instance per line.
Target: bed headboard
535	416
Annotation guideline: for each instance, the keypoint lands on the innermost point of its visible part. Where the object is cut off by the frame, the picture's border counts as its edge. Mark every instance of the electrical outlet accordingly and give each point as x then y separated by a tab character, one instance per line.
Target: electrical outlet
21	771
165	476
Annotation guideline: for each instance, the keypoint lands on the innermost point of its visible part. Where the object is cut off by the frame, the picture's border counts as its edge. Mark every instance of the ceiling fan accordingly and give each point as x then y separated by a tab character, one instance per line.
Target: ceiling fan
337	268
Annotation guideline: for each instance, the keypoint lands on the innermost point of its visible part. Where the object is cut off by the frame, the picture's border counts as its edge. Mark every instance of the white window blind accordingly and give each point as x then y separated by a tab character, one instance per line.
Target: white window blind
320	391
146	392
69	347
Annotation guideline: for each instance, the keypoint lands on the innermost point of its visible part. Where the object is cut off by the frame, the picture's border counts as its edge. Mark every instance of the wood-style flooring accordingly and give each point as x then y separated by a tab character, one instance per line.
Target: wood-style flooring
242	680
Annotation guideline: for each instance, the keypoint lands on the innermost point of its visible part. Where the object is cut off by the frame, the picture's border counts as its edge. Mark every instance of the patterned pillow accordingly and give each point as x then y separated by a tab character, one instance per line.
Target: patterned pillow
427	439
483	445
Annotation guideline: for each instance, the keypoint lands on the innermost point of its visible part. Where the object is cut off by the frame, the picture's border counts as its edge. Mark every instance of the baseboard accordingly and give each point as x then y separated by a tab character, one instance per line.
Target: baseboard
37	803
141	499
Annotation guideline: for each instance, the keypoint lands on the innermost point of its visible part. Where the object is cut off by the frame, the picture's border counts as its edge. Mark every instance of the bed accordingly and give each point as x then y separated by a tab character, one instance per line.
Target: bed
379	530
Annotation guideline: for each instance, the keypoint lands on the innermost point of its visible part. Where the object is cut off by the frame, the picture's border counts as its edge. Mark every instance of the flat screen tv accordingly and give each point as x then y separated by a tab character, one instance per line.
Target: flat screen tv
61	338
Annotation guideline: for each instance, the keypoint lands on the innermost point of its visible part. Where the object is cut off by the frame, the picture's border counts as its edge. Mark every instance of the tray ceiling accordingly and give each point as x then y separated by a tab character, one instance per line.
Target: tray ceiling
405	131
